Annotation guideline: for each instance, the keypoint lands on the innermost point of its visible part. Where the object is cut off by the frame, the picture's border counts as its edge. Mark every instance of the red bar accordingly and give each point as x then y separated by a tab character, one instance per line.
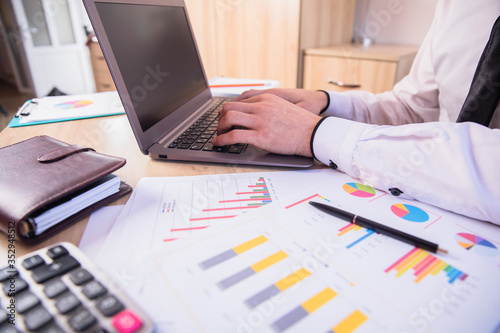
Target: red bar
301	201
345	227
402	259
424	264
170	239
257	185
212	218
239	200
193	228
217	209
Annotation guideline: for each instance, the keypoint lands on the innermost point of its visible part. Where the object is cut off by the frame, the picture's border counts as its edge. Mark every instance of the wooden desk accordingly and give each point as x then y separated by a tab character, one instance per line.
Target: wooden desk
109	135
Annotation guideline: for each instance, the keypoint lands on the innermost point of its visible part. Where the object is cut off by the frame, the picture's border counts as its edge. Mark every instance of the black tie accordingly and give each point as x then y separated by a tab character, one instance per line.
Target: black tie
484	93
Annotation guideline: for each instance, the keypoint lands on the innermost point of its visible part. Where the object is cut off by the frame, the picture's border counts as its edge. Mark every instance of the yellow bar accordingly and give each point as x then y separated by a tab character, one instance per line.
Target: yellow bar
271	260
429	269
318	300
439	268
410	258
357	228
412	263
353	321
250	244
292	279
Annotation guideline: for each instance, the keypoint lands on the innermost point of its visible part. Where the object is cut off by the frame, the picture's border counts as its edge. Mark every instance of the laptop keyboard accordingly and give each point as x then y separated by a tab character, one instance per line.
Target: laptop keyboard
198	137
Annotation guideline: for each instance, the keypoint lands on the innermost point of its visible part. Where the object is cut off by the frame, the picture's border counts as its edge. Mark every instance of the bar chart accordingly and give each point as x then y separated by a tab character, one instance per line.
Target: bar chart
191	206
425	264
253	272
289	267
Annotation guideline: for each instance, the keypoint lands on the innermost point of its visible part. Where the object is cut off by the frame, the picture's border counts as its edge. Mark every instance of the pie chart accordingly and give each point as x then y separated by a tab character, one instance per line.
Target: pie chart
73	105
476	244
359	190
410	213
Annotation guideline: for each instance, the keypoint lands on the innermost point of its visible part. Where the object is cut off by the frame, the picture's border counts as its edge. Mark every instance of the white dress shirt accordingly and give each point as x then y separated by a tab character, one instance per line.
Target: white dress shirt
408	138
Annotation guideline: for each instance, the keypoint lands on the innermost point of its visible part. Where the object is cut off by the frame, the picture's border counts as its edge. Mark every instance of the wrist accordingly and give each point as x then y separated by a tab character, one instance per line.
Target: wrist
325	101
311	141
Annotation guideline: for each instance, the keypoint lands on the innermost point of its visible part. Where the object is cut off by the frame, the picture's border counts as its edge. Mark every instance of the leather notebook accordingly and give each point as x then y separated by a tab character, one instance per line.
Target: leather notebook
43	172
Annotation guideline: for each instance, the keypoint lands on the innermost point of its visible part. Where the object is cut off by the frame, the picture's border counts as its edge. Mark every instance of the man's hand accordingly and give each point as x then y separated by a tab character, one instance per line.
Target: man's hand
313	101
271	123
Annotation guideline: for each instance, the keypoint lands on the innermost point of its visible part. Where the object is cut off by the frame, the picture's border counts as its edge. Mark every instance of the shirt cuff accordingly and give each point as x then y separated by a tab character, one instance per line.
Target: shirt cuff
335	140
340	105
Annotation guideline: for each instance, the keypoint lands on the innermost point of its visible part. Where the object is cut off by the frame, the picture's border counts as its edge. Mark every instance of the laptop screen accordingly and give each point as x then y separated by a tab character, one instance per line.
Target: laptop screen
157	57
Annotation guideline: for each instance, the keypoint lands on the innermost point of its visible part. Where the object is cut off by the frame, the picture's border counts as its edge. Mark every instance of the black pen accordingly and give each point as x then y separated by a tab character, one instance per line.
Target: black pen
380	228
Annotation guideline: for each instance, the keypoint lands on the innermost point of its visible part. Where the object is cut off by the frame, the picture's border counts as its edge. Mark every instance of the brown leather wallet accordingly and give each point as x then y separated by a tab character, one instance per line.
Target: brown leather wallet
39	171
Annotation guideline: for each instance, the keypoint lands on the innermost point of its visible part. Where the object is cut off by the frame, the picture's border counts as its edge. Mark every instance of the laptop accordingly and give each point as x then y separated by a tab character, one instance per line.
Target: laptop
152	54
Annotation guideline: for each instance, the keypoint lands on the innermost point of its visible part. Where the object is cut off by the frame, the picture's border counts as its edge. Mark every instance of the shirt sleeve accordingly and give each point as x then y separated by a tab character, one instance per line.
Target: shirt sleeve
449	165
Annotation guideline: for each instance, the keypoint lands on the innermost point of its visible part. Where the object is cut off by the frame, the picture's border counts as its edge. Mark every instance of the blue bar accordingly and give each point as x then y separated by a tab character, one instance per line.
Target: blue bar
451	271
455	276
368	233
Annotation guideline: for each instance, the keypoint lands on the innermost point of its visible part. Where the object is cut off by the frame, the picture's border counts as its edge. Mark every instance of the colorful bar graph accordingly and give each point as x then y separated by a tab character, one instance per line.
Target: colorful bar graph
249	271
353	227
351	323
300	312
424	264
256	196
221	257
277	287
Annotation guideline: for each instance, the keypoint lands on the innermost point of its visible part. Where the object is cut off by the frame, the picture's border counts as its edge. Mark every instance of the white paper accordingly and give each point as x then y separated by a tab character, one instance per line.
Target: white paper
98	227
232	87
162	210
352	270
53	108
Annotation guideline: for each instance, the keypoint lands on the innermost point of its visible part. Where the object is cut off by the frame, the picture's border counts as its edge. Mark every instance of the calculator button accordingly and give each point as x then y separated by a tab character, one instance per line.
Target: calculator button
67	302
80	276
82	320
7	273
51	328
58	267
25	301
100	330
57	251
36	318
93	290
127	322
109	306
8	328
3	317
54	288
32	262
13	286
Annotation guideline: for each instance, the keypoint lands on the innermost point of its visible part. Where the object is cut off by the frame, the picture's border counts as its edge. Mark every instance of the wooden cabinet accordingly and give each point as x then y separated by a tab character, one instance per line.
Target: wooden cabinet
102	76
257	39
375	68
266	39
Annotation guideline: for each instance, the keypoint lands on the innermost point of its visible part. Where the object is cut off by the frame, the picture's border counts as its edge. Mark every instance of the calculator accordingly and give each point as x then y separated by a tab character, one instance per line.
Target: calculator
59	289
